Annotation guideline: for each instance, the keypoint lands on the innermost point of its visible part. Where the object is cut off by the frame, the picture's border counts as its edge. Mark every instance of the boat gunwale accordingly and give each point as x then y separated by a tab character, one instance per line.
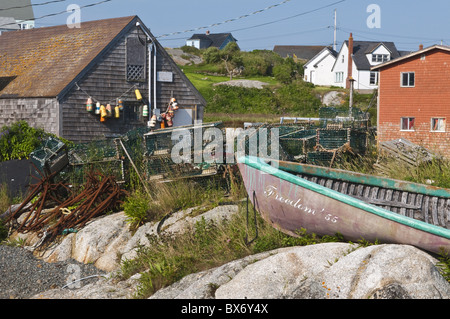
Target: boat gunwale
261	165
360	178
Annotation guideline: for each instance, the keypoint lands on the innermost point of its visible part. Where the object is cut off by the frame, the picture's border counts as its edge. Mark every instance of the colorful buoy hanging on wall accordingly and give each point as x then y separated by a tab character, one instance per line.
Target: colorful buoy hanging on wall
138	95
97	108
103	113
89	105
108	110
145	110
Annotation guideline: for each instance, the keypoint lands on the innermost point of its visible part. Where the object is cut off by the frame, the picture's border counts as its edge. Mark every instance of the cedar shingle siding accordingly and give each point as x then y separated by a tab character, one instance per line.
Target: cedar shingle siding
57	69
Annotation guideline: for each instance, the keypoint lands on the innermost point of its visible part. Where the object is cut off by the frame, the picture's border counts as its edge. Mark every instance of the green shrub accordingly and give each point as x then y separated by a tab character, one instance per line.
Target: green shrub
18	140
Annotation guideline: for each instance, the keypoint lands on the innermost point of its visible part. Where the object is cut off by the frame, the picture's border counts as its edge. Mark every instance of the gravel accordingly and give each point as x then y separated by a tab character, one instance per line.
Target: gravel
22	275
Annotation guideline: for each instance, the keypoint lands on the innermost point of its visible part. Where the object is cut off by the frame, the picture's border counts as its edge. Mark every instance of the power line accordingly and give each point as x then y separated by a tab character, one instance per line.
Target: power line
291	17
58	13
32	5
226	21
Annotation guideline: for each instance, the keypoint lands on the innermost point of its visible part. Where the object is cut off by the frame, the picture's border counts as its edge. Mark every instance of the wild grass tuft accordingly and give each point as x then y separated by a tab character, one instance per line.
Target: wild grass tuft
209	244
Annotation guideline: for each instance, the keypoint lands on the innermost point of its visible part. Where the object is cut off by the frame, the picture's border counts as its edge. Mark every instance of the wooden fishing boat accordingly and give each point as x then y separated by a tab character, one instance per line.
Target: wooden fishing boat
327	201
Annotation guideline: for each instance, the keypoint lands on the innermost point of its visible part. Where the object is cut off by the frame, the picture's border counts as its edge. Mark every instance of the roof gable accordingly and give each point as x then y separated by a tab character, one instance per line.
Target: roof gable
412	55
44	61
317	61
361	48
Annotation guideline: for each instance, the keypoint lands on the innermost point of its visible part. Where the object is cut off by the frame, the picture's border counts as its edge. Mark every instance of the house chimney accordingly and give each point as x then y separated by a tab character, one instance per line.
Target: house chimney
421	47
350	60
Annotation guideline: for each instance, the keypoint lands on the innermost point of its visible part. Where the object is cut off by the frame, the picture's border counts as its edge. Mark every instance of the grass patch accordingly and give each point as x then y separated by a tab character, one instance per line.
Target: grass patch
209	244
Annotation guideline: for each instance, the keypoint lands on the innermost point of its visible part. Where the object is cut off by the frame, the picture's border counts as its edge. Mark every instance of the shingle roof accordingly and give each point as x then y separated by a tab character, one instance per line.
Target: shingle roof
214	39
304	52
44	61
361	48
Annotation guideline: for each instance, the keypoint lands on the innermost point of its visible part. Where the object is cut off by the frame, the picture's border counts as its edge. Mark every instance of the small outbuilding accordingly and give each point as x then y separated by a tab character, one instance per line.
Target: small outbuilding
56	78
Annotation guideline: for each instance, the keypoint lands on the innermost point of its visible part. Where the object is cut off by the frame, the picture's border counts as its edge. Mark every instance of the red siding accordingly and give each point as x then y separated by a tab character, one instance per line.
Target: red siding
430	97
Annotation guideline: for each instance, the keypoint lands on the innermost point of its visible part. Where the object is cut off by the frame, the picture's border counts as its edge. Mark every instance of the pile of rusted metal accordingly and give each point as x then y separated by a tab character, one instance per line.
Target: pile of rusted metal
53	208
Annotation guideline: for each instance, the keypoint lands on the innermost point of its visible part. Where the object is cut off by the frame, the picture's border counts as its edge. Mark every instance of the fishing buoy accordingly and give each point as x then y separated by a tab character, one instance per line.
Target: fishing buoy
108	110
145	110
138	95
152	122
89	105
103	113
174	104
97	108
117	112
120	104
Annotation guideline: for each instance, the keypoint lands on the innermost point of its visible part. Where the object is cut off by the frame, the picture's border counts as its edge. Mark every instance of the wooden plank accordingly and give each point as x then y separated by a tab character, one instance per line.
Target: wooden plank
404	199
441	212
434	202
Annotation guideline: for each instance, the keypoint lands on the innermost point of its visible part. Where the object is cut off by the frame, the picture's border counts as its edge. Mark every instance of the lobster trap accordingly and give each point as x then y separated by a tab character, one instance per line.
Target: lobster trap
51	157
178	152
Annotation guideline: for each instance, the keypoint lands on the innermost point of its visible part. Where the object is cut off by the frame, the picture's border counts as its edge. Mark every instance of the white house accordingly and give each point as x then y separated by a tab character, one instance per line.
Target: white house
21	11
365	54
318	69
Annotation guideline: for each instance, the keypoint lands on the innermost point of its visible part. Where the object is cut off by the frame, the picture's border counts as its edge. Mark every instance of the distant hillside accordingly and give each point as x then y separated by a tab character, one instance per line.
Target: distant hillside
284	93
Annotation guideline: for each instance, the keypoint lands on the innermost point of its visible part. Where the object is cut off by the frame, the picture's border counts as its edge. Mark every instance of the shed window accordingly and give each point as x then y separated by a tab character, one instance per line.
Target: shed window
136	59
437	124
408	79
407	123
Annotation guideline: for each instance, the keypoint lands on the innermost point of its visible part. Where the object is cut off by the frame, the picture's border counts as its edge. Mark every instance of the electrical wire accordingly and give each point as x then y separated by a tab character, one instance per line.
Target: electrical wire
32	5
291	17
226	21
58	13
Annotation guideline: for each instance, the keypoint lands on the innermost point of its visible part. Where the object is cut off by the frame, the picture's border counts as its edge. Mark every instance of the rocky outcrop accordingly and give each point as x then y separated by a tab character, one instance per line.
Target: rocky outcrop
107	240
322	271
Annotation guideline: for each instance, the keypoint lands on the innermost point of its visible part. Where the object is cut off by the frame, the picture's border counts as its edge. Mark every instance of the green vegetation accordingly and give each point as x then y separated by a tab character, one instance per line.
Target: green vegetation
210	244
444	265
18	140
286	94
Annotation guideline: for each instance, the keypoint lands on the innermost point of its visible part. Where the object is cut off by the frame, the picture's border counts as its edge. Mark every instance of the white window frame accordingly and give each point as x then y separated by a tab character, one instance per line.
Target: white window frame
441	125
409	128
409	80
380	57
376	74
339	77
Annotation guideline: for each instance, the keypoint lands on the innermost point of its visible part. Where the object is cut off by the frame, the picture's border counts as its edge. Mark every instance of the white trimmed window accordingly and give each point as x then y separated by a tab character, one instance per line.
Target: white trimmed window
408	79
380	57
407	124
339	77
437	124
373	78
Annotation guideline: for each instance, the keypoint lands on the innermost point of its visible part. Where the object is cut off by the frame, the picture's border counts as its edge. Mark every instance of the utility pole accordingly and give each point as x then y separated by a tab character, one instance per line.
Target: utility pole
335	28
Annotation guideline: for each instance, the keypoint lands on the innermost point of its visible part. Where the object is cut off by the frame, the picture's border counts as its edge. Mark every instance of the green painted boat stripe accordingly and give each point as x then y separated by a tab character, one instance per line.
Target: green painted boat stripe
259	164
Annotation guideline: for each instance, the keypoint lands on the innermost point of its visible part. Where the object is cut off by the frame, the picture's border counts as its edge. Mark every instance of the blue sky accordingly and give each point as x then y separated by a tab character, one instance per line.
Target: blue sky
293	22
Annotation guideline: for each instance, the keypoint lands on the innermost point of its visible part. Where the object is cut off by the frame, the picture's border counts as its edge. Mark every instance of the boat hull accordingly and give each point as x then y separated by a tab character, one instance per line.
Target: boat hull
291	203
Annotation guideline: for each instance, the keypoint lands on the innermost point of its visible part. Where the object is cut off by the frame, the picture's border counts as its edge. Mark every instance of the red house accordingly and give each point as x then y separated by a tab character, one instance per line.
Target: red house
414	99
